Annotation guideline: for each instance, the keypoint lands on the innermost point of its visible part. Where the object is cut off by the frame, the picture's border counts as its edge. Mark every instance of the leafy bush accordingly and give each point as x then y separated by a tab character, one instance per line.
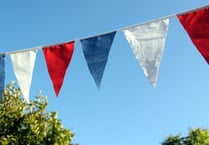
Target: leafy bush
24	123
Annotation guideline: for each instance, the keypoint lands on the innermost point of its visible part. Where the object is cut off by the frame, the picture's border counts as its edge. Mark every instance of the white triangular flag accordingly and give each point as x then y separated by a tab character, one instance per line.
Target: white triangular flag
23	64
147	42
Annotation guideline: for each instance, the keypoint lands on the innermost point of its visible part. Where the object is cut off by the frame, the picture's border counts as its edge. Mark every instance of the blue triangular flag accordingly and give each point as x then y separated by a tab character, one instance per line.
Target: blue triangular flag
96	50
2	74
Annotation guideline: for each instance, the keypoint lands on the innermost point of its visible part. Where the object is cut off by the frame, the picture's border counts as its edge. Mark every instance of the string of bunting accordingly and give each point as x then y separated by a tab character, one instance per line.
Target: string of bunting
147	41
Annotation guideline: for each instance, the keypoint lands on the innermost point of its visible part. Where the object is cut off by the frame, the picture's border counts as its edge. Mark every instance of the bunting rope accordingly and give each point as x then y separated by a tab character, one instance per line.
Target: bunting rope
117	30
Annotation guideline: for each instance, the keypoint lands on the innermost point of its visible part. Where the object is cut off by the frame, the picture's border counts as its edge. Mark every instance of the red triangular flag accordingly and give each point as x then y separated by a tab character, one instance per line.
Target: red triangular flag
57	59
196	24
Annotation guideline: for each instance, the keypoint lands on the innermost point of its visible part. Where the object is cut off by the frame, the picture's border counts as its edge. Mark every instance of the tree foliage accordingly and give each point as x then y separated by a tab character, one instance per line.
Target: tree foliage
24	123
195	137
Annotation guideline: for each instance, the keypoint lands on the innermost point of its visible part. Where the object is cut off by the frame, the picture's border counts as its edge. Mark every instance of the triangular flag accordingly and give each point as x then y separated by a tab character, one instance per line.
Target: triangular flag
147	42
196	24
96	50
2	73
23	64
57	59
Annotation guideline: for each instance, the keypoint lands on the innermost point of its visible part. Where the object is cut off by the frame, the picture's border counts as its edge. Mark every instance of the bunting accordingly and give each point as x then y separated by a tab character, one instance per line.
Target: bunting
2	73
23	64
147	42
196	23
96	50
57	59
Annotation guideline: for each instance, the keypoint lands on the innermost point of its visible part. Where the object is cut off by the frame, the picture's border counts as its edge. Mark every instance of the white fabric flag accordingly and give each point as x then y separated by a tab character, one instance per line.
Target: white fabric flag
147	42
23	64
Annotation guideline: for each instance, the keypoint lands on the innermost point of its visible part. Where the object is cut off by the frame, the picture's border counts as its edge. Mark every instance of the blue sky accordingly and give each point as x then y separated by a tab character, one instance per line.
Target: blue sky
126	110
